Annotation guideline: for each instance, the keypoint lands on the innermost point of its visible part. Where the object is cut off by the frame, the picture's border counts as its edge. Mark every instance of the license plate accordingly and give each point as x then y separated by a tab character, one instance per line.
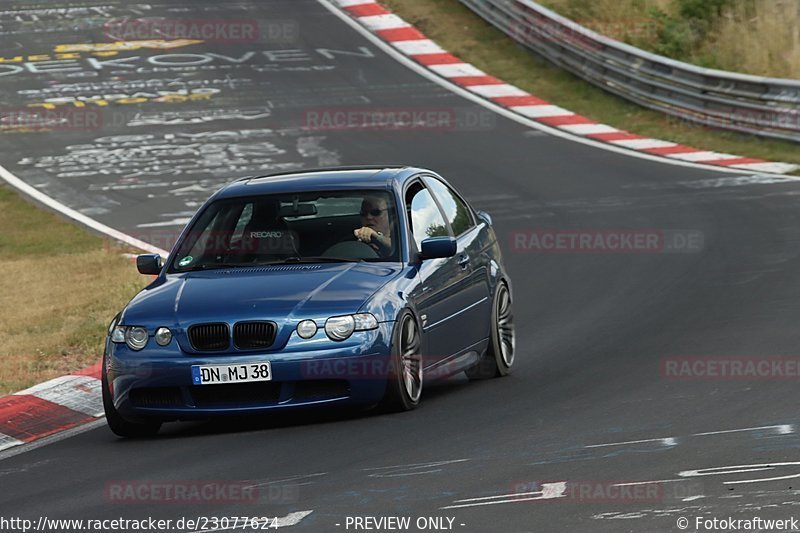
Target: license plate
219	374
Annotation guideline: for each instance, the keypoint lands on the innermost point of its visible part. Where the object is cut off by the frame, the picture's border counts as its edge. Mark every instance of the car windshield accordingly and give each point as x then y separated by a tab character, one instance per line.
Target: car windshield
291	228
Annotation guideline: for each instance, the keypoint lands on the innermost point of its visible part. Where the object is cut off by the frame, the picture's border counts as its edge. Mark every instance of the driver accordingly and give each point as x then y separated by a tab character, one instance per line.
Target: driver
375	229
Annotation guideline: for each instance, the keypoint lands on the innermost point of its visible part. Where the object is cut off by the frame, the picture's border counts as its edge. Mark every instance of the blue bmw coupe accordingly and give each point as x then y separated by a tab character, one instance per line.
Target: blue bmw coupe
342	286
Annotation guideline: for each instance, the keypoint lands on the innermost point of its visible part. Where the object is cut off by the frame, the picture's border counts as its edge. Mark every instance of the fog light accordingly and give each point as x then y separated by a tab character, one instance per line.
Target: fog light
163	336
307	329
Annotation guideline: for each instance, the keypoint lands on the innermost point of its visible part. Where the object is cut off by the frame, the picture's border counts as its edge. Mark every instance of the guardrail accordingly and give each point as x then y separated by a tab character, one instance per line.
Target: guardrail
767	107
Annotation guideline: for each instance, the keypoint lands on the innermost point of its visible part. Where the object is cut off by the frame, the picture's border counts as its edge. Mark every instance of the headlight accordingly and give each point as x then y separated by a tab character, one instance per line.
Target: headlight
338	328
307	329
136	338
163	336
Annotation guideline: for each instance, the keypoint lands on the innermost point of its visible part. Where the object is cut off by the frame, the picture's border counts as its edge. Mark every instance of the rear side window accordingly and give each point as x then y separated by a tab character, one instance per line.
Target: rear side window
457	212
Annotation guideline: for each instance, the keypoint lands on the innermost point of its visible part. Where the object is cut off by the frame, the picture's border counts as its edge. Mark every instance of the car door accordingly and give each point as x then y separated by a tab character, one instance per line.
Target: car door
474	319
441	296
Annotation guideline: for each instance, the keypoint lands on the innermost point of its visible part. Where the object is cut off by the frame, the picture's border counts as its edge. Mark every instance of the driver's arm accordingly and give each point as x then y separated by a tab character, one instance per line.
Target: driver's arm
370	236
383	242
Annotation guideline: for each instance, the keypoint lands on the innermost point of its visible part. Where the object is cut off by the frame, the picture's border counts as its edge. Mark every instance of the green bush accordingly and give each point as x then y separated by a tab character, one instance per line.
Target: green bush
680	34
703	12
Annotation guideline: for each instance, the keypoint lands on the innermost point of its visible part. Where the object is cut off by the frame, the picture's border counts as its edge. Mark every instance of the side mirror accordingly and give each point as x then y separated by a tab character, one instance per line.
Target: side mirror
486	217
149	264
436	247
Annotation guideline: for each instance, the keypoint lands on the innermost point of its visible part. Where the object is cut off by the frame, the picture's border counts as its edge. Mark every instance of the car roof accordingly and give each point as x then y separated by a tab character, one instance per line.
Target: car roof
320	179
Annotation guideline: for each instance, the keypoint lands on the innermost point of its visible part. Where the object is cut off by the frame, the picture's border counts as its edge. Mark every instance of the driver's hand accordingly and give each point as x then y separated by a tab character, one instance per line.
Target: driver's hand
365	234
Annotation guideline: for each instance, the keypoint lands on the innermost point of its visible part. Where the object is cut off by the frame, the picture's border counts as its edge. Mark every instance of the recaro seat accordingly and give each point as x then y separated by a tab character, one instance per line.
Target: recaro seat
267	235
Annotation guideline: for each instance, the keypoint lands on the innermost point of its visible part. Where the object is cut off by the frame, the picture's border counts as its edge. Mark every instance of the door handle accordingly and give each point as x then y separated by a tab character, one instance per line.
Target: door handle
463	260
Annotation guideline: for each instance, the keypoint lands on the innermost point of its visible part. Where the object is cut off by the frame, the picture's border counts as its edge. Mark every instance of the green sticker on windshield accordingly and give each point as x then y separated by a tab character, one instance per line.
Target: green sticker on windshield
185	261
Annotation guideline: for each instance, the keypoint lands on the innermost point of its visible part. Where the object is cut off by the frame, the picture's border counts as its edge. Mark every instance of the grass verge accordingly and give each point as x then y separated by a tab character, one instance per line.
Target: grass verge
461	32
60	288
760	37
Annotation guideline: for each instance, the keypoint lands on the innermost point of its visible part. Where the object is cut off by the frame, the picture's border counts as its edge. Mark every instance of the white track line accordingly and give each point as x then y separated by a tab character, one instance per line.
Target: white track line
417	465
549	491
666	441
635	483
782	429
75	215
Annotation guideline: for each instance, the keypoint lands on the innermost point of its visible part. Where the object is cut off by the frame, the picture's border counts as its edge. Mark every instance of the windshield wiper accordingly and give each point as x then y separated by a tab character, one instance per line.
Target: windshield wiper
293	259
219	266
321	259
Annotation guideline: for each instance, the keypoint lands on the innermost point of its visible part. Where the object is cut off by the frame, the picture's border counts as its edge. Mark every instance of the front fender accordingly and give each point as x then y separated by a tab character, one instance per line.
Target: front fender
387	303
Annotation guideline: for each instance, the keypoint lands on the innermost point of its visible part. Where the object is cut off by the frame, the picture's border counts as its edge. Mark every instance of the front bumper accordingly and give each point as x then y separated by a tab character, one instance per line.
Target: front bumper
157	382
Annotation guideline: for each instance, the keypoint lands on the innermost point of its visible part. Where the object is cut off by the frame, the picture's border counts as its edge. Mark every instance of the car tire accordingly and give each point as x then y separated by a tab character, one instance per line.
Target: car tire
404	383
120	426
499	356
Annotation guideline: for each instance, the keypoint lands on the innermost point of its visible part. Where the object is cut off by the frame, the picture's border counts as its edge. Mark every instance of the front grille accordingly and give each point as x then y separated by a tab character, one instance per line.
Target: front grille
157	397
209	337
252	335
236	394
321	389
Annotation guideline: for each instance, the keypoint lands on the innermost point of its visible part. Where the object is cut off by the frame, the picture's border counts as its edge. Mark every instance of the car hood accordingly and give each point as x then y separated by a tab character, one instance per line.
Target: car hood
280	293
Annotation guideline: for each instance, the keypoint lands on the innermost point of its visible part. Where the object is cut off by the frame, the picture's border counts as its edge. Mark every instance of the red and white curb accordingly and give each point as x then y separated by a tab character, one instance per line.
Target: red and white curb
409	41
50	407
54	406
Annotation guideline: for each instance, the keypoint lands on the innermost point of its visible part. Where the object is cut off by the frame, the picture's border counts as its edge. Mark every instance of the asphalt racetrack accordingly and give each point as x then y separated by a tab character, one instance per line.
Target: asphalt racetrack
612	387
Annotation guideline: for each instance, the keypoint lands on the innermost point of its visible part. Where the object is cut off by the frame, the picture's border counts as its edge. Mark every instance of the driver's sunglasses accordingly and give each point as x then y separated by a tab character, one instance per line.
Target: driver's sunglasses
373	212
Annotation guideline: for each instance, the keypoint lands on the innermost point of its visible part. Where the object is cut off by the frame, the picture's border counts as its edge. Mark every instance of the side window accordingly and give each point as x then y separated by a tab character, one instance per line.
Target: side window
426	219
457	212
